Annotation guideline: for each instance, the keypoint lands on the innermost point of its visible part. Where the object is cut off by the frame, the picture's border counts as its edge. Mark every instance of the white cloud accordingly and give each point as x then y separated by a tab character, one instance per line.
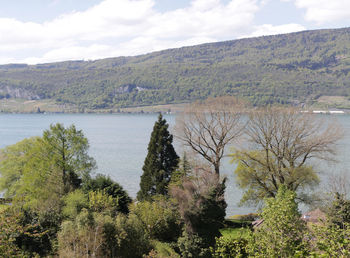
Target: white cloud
325	11
268	29
129	27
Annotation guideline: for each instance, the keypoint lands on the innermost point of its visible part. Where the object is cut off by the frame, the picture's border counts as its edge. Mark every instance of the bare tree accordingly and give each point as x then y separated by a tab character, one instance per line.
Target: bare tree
208	127
282	142
338	182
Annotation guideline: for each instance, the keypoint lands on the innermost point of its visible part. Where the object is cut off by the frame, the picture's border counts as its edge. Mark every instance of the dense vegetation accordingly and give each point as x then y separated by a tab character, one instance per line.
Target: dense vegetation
291	68
54	207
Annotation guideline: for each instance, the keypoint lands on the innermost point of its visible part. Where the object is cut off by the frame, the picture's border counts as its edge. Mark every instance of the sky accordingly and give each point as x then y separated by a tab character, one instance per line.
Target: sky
42	31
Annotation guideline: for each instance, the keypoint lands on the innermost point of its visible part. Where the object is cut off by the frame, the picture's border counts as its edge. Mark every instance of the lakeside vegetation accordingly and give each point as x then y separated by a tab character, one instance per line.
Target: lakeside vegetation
24	106
61	207
293	68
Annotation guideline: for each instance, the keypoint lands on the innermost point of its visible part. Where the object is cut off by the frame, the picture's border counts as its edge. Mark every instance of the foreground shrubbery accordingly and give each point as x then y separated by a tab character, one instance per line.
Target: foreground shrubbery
227	246
284	234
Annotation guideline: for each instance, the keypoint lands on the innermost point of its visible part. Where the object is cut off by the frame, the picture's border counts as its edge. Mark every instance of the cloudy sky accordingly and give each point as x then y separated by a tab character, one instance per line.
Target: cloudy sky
39	31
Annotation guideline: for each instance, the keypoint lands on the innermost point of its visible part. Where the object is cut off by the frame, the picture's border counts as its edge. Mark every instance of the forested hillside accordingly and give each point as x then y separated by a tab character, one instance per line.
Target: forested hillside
290	68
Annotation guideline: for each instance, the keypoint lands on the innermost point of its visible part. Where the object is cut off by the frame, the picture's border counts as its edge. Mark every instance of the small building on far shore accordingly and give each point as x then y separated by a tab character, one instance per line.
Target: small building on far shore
336	112
319	112
332	112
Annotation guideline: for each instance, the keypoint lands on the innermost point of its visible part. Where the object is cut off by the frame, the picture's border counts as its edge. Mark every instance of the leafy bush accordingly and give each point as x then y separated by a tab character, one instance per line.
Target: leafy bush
132	239
282	232
39	236
99	201
160	219
227	247
162	250
105	183
86	236
74	203
192	245
339	211
329	240
10	229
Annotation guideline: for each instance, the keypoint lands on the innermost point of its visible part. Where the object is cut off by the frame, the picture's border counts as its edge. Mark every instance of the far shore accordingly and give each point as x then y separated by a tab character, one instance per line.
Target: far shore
20	106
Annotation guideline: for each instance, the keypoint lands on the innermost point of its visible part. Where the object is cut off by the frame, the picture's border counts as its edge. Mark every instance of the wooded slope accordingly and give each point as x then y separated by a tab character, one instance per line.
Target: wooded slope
288	68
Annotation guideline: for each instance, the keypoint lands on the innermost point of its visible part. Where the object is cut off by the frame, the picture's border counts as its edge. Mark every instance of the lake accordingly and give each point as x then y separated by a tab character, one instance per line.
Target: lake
118	142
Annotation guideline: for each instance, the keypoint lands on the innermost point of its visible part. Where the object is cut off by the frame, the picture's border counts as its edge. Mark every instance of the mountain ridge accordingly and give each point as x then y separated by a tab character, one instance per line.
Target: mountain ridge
289	68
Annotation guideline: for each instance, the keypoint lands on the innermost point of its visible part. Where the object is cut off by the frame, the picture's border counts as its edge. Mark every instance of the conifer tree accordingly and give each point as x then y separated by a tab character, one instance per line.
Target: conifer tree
182	172
161	161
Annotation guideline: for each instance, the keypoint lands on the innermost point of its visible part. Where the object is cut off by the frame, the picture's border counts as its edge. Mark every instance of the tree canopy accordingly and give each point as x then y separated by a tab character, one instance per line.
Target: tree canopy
161	161
111	188
281	142
41	169
68	149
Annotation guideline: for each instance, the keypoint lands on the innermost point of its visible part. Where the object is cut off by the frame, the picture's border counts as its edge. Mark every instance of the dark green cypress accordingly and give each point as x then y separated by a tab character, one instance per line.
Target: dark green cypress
161	161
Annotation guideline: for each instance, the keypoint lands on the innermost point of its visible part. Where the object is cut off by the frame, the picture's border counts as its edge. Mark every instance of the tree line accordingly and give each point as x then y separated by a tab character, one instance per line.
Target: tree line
60	208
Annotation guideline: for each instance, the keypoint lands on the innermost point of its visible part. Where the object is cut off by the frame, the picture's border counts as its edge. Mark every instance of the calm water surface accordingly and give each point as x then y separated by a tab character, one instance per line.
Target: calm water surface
119	142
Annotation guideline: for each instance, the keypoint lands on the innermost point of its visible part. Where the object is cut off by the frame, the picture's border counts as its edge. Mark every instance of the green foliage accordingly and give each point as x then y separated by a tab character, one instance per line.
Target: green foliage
329	240
280	69
29	176
240	232
111	188
227	247
161	161
68	149
160	219
132	239
87	235
37	172
202	205
282	142
26	235
162	250
10	229
192	245
100	202
254	175
13	165
339	211
281	234
182	172
94	201
40	232
74	203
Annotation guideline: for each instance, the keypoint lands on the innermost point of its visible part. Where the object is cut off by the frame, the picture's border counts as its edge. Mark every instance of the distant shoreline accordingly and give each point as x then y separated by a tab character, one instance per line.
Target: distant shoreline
47	106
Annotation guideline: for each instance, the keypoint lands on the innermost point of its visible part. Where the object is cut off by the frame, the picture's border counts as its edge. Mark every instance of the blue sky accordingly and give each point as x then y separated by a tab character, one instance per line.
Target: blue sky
39	31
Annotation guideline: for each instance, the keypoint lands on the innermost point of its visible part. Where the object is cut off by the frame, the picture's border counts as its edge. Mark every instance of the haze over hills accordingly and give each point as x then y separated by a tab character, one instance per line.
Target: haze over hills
290	68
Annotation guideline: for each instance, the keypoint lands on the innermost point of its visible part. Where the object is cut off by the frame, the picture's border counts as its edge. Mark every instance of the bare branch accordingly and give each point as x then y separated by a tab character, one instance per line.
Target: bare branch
208	127
282	142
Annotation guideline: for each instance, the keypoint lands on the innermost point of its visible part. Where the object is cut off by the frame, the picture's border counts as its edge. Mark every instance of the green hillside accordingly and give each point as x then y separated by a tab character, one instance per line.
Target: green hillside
290	68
